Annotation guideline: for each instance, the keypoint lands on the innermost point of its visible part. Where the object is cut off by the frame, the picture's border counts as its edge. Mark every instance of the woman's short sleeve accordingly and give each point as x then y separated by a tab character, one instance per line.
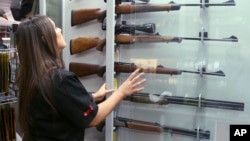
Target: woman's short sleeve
73	101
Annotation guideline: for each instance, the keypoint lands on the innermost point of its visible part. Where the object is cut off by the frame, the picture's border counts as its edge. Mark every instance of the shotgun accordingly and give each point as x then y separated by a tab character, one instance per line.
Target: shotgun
84	69
79	16
131	39
147	98
156	127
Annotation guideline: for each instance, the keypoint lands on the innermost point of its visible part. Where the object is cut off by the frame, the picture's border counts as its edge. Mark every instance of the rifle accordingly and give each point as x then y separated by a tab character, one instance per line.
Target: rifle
79	16
84	69
156	127
82	43
131	39
138	8
147	98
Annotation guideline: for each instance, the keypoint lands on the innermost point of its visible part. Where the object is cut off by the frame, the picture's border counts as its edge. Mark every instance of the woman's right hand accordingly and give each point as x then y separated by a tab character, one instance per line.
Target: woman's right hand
132	84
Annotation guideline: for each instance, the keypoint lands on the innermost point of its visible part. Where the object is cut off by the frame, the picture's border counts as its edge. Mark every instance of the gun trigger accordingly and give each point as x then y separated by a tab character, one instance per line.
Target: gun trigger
157	34
171	2
160	66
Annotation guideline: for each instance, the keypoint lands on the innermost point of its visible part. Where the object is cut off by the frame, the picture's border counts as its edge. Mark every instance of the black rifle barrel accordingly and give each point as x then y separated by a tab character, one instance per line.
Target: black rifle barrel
217	73
230	39
202	102
227	3
123	122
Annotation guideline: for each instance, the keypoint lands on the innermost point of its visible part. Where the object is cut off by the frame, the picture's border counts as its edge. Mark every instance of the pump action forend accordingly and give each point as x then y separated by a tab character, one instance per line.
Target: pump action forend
147	98
84	69
156	127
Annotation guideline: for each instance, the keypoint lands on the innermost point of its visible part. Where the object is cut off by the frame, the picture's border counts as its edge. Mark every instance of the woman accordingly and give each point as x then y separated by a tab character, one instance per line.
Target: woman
53	104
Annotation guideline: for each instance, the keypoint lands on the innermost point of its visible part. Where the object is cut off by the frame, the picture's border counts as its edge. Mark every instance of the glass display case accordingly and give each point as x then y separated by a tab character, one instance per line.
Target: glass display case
194	54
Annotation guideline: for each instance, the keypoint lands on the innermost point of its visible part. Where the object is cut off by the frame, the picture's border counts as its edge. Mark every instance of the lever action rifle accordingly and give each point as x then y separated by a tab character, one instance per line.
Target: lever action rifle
79	16
84	69
147	98
156	127
131	39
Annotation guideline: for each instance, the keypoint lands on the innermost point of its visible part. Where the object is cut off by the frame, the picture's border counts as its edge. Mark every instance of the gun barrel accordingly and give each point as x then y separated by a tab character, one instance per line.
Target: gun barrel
217	73
230	39
131	39
128	8
227	3
202	102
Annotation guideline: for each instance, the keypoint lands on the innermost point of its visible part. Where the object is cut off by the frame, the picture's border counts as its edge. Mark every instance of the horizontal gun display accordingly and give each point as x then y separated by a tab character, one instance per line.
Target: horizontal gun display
147	98
79	16
156	127
85	69
130	39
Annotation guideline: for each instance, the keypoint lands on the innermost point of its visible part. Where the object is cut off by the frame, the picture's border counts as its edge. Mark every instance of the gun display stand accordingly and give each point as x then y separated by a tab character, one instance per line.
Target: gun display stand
195	97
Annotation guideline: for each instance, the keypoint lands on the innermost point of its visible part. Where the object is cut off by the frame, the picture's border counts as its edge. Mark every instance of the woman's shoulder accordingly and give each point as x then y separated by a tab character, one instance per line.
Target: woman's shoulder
62	74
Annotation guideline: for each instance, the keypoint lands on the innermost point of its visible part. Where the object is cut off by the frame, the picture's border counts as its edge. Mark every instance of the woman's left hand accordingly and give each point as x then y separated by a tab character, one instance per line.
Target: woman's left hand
101	93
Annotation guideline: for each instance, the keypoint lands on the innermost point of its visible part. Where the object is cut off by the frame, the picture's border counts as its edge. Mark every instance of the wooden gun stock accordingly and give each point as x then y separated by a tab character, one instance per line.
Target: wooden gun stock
84	69
131	39
128	8
144	127
79	16
82	43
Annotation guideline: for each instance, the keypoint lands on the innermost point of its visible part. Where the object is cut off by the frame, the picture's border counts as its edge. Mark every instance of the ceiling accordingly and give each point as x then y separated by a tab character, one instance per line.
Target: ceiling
6	5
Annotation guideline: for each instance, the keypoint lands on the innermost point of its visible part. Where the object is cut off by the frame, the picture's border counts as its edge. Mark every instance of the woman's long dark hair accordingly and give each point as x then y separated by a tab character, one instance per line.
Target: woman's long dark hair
38	53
